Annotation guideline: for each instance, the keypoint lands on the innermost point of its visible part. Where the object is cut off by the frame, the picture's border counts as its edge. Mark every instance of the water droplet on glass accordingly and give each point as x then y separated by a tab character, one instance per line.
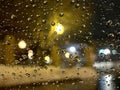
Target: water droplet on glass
52	23
27	74
77	5
43	21
61	14
13	16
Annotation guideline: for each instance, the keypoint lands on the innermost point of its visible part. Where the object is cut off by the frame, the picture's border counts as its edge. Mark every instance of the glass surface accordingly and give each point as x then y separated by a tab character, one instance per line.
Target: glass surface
59	45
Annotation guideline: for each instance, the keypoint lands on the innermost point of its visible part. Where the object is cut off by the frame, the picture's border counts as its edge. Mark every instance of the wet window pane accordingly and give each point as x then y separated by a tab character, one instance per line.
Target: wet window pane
59	44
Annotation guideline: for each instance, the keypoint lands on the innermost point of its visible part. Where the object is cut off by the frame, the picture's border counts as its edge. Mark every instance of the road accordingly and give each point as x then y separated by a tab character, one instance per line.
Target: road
106	80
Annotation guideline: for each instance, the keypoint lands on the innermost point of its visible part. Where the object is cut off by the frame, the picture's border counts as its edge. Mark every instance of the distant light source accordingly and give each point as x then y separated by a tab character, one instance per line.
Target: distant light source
67	55
106	51
30	54
72	49
22	44
59	28
101	51
47	59
114	52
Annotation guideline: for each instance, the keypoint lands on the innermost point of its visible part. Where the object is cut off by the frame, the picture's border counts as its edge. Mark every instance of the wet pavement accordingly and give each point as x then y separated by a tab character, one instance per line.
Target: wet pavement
108	80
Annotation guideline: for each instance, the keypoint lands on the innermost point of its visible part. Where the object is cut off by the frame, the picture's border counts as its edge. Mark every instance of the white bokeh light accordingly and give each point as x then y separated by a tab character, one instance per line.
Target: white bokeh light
72	49
106	51
114	52
22	44
67	55
101	51
59	28
30	54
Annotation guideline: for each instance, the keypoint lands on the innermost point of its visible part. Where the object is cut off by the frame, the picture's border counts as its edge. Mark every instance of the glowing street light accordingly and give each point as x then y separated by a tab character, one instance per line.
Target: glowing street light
114	52
106	51
22	44
47	59
67	55
59	28
30	54
101	51
72	49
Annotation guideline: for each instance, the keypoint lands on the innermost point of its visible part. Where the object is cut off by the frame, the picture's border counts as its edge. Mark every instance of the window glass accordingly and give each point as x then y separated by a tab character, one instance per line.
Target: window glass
59	44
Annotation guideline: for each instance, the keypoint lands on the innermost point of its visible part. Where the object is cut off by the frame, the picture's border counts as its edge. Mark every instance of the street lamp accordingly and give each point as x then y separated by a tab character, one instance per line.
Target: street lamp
59	28
101	51
30	54
22	44
67	54
72	49
47	59
106	51
114	52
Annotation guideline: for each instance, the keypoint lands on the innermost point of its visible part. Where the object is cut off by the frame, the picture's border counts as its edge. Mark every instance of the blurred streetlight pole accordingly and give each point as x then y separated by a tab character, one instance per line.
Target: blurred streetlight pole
9	49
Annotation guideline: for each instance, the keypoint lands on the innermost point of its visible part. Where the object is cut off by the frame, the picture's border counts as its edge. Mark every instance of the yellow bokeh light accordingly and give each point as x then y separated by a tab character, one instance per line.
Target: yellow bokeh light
59	28
22	44
67	55
47	58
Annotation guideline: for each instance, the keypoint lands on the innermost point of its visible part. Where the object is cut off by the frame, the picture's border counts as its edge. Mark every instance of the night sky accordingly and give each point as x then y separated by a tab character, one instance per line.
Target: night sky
79	17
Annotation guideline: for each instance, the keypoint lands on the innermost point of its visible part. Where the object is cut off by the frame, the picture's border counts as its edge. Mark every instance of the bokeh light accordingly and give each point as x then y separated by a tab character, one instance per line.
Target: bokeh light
47	59
101	51
30	54
22	44
72	49
67	55
106	51
59	28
